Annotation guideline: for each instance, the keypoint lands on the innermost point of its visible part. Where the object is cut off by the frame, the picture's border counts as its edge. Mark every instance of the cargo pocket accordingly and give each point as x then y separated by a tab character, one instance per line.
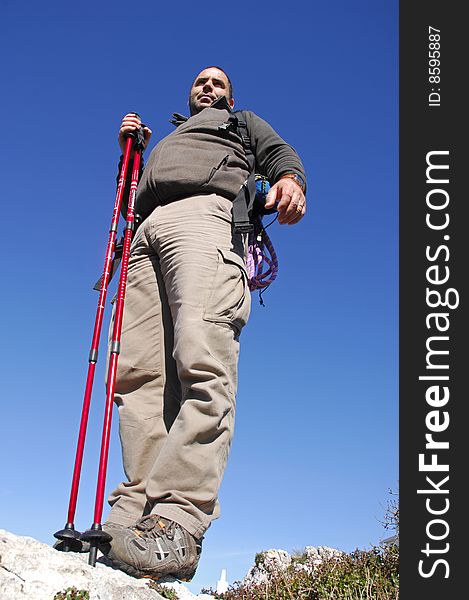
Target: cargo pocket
229	300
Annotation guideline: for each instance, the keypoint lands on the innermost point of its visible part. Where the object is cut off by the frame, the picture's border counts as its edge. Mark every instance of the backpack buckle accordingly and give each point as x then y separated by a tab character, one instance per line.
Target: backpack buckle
243	227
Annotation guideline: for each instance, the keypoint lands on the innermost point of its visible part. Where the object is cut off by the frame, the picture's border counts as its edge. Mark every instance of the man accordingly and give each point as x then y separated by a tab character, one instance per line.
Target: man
187	301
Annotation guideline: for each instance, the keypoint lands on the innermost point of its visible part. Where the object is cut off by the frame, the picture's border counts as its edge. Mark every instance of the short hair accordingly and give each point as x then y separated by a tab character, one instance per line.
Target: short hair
230	85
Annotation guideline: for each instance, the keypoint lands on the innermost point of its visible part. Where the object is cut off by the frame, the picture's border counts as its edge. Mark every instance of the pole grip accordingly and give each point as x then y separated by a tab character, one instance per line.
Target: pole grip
138	136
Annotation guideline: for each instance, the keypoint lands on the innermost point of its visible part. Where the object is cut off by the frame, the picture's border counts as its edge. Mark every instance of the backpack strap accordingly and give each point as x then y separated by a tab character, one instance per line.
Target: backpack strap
243	203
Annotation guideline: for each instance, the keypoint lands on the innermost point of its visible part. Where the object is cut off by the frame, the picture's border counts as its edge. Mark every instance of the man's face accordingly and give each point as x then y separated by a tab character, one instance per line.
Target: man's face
209	85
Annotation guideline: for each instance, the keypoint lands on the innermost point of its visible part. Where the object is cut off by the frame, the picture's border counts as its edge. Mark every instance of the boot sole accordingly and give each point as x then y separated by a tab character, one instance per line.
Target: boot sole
184	575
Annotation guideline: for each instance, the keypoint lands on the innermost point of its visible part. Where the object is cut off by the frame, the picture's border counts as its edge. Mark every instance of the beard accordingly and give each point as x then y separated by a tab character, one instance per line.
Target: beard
194	108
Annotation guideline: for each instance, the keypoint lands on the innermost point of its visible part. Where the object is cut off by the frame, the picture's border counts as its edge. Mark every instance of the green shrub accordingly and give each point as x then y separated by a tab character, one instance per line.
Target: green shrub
71	593
259	559
163	591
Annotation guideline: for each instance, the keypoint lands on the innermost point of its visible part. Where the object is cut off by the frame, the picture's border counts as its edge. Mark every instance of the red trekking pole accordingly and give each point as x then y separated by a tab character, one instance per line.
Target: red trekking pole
95	535
69	535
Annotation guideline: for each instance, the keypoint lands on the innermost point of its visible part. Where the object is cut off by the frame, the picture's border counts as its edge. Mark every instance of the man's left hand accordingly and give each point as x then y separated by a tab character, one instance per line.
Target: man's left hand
291	201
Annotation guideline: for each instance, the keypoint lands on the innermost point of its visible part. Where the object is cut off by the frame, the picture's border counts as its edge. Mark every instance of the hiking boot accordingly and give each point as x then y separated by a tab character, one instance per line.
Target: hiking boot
155	547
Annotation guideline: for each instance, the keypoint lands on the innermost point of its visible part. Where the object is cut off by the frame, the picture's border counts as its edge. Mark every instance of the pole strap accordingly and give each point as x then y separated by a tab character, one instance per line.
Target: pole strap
116	260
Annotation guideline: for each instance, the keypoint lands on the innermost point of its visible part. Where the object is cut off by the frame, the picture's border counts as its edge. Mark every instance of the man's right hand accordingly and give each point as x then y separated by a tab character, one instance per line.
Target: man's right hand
130	123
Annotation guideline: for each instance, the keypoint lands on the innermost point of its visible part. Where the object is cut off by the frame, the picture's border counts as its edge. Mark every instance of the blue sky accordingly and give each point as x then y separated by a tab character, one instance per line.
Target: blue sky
316	442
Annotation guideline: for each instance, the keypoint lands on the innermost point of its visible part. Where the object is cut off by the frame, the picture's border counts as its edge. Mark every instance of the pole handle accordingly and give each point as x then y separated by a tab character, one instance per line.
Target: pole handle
138	136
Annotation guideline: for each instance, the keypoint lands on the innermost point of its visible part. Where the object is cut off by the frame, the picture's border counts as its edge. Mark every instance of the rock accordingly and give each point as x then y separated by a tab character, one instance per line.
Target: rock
275	561
183	593
35	571
317	555
314	556
267	562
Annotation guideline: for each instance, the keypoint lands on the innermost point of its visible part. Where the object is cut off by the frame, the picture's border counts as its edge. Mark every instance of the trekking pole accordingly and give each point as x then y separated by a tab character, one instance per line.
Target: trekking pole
69	535
95	535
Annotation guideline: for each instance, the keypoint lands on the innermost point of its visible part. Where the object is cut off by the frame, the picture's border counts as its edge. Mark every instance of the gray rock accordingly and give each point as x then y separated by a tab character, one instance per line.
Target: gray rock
317	554
314	556
35	571
183	593
268	562
275	561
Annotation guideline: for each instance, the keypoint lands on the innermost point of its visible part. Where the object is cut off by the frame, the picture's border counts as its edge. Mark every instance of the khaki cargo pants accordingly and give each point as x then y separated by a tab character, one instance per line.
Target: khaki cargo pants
186	303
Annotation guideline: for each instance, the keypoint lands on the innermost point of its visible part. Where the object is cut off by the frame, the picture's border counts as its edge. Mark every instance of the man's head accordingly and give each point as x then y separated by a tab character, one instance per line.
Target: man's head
210	84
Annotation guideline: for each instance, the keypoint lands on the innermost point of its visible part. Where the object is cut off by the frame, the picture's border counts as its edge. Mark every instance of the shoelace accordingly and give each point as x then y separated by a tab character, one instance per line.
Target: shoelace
150	525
